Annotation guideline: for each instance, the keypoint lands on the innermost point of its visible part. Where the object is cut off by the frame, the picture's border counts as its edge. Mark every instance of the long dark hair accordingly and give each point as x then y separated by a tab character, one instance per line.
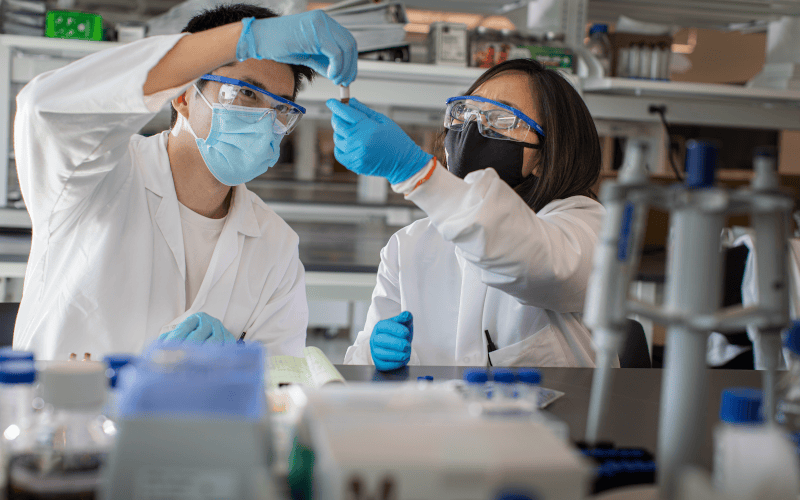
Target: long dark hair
569	159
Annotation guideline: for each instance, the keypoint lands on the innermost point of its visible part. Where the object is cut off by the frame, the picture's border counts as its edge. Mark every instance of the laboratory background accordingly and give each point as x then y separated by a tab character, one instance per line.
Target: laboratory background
695	389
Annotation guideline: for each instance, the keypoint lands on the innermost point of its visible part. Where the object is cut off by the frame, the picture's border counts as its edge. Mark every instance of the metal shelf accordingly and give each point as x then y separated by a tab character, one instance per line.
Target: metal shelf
705	91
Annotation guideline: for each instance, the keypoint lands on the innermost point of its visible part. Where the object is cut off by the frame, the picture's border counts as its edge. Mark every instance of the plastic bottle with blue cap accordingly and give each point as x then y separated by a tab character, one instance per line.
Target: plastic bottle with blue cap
72	440
787	413
527	387
751	458
739	414
115	363
503	385
16	404
9	354
476	380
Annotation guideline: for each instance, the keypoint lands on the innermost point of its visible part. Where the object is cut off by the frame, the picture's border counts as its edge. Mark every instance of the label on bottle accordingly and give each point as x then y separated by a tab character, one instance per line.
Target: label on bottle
185	483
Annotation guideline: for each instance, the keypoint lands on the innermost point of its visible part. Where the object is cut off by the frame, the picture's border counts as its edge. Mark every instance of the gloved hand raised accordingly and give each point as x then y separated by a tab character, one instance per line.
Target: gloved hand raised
199	328
369	143
310	39
390	343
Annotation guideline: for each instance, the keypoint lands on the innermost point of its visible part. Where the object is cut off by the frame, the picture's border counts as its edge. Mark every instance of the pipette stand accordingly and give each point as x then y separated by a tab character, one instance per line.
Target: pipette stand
692	303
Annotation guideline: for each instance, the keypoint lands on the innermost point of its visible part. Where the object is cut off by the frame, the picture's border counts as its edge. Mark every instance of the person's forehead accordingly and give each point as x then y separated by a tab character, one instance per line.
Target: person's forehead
511	88
268	75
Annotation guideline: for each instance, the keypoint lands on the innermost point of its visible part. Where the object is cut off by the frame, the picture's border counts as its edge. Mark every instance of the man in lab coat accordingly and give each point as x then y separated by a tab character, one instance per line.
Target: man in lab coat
138	238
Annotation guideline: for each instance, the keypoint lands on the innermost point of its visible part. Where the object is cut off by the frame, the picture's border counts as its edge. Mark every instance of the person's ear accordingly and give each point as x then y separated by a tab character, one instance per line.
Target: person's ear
181	104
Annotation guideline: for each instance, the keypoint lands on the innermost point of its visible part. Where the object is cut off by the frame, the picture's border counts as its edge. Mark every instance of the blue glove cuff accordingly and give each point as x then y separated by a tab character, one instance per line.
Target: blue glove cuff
246	48
416	162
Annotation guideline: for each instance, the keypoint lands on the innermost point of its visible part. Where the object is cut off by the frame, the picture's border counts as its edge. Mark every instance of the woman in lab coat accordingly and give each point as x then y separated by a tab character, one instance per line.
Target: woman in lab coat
497	272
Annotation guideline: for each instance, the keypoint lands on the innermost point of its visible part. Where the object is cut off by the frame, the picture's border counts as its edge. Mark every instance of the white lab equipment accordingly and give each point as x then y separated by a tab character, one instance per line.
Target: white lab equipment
192	424
410	441
16	404
692	298
71	444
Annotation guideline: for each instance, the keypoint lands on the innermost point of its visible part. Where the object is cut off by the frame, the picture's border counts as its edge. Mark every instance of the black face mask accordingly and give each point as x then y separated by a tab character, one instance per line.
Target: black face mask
468	151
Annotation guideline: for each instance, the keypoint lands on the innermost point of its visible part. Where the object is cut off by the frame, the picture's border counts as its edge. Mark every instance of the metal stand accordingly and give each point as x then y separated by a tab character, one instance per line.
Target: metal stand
691	309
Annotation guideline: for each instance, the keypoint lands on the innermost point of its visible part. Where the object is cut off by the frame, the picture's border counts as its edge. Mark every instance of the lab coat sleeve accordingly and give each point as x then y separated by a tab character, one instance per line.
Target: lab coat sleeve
541	260
73	126
385	304
282	321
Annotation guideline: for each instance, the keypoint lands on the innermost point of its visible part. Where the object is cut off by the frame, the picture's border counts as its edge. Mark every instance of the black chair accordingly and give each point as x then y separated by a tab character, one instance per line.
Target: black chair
8	316
634	352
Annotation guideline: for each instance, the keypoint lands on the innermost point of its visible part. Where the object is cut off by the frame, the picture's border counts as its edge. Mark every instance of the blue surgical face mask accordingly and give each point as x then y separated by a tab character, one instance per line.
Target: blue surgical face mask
240	146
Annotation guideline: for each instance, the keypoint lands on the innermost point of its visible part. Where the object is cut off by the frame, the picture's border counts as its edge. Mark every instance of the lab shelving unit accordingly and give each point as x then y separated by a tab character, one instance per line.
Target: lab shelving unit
414	94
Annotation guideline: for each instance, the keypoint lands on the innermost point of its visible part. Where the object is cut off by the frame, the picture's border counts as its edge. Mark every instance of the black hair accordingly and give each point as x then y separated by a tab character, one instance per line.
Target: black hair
569	159
233	13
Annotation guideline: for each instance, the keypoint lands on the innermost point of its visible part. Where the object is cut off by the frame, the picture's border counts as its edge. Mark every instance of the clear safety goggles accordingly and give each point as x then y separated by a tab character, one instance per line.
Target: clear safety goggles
495	120
239	95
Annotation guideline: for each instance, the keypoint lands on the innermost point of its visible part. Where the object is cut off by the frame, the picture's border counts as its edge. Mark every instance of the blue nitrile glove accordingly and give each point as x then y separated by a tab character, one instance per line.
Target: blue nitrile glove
310	39
369	143
390	343
199	328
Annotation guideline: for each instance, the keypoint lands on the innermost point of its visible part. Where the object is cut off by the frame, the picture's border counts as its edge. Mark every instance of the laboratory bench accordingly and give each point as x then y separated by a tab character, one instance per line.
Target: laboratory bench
633	409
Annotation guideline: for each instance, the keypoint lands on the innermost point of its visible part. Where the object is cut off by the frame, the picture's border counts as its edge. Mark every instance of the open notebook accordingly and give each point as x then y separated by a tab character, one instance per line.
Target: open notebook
314	370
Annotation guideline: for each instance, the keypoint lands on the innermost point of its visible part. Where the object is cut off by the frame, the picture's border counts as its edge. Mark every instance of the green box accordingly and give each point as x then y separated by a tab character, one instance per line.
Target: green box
73	25
552	57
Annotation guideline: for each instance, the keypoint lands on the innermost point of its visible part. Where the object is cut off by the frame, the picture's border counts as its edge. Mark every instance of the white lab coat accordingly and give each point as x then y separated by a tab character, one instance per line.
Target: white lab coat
107	268
483	260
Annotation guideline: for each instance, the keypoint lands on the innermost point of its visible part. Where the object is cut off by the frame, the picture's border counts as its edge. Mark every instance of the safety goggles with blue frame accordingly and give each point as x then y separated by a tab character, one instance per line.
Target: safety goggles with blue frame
242	96
495	120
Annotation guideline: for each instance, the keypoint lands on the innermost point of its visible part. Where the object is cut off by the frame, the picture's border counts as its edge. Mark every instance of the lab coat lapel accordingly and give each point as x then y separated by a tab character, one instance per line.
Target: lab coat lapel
470	348
158	180
216	289
169	223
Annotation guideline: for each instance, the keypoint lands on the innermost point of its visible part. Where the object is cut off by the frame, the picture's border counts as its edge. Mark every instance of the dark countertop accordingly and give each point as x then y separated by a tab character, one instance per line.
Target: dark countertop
635	400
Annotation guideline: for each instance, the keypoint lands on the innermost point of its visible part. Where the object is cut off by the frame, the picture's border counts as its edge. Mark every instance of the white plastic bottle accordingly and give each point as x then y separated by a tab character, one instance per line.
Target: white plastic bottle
751	460
787	412
600	46
16	404
476	380
114	362
503	383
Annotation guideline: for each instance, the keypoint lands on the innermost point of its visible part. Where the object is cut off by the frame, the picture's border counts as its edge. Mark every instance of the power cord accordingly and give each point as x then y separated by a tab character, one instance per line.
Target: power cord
662	112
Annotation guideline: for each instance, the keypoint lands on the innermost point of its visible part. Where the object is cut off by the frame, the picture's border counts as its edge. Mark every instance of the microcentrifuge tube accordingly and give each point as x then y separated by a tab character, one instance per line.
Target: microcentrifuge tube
344	94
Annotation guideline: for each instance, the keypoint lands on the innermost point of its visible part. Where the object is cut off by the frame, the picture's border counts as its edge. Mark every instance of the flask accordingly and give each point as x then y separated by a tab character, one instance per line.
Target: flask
600	46
71	443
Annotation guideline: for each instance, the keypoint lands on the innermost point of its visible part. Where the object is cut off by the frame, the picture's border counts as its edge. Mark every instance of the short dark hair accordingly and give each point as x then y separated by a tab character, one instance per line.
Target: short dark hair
569	160
228	14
